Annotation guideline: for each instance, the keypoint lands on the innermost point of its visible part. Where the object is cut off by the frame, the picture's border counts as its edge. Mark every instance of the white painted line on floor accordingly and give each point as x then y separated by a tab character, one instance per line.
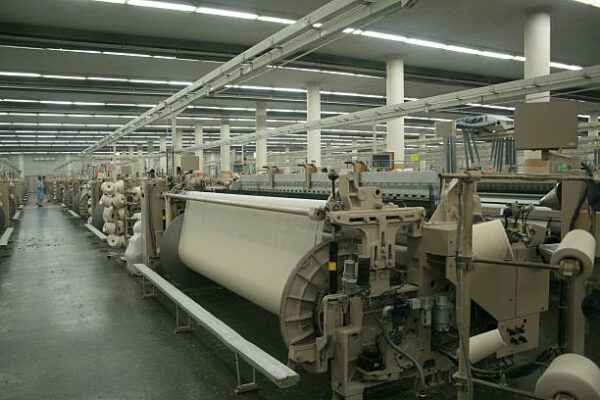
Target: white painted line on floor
6	236
96	232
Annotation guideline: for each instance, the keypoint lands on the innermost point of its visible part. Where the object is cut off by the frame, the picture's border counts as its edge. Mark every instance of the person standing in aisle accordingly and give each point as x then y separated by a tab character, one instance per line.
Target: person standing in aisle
40	191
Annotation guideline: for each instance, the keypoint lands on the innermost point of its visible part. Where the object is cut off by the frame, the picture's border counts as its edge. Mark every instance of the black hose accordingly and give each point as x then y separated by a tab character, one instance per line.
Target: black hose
423	385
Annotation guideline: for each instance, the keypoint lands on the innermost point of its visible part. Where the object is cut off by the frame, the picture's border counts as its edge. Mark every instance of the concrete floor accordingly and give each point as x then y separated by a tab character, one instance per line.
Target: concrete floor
73	326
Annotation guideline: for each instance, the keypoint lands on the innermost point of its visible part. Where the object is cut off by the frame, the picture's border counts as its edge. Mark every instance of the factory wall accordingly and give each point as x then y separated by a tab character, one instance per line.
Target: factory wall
43	164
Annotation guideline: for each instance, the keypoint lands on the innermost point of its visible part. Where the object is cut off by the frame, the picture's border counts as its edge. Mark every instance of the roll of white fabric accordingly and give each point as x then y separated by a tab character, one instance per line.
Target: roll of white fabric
90	211
268	245
90	202
115	241
118	200
120	213
90	220
579	245
570	374
109	227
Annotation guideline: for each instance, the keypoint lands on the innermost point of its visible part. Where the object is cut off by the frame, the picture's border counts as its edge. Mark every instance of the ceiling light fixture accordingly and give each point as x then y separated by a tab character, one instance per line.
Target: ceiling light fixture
162	5
593	3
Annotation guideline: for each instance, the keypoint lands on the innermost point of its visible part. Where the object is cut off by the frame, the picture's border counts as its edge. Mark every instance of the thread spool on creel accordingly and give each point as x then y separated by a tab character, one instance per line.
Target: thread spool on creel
120	228
108	188
106	200
115	240
118	200
109	228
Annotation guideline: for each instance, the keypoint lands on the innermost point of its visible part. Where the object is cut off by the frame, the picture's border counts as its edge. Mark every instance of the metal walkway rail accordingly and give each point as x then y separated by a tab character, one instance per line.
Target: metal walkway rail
6	236
96	232
270	367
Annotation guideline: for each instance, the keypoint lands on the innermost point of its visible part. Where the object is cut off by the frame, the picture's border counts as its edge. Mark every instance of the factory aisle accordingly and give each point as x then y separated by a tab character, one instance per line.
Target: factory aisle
73	324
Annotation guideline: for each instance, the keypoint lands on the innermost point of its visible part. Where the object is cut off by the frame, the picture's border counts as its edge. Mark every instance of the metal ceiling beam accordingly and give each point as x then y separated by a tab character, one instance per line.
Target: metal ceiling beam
334	16
486	94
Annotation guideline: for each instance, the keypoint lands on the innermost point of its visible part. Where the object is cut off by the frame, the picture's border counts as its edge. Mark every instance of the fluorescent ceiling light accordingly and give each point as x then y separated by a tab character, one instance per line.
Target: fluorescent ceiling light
113	1
99	78
450	47
161	4
28	74
275	20
119	53
73	77
55	102
157	82
88	103
226	13
593	3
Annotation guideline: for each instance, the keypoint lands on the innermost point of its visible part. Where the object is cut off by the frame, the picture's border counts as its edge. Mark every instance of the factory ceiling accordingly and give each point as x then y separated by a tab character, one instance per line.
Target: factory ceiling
72	71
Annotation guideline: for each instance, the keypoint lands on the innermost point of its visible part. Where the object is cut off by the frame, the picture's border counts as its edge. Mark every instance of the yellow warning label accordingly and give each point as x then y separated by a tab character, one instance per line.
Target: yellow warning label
332	266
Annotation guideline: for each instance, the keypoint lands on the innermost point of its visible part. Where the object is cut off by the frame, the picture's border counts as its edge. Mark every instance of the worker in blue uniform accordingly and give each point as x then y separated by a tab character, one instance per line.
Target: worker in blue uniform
40	191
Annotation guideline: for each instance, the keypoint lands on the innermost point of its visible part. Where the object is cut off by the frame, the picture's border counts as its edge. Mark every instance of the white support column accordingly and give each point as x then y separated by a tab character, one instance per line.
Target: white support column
537	60
313	109
394	95
173	164
140	160
198	140
354	150
261	126
150	155
225	150
131	155
537	51
162	148
21	160
593	132
287	169
422	152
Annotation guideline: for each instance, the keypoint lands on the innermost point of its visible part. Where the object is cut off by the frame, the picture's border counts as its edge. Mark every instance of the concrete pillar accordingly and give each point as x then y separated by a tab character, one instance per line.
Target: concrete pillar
374	143
261	126
225	150
537	60
354	150
162	148
140	160
593	119
394	95
176	143
422	152
287	169
21	166
198	140
313	109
